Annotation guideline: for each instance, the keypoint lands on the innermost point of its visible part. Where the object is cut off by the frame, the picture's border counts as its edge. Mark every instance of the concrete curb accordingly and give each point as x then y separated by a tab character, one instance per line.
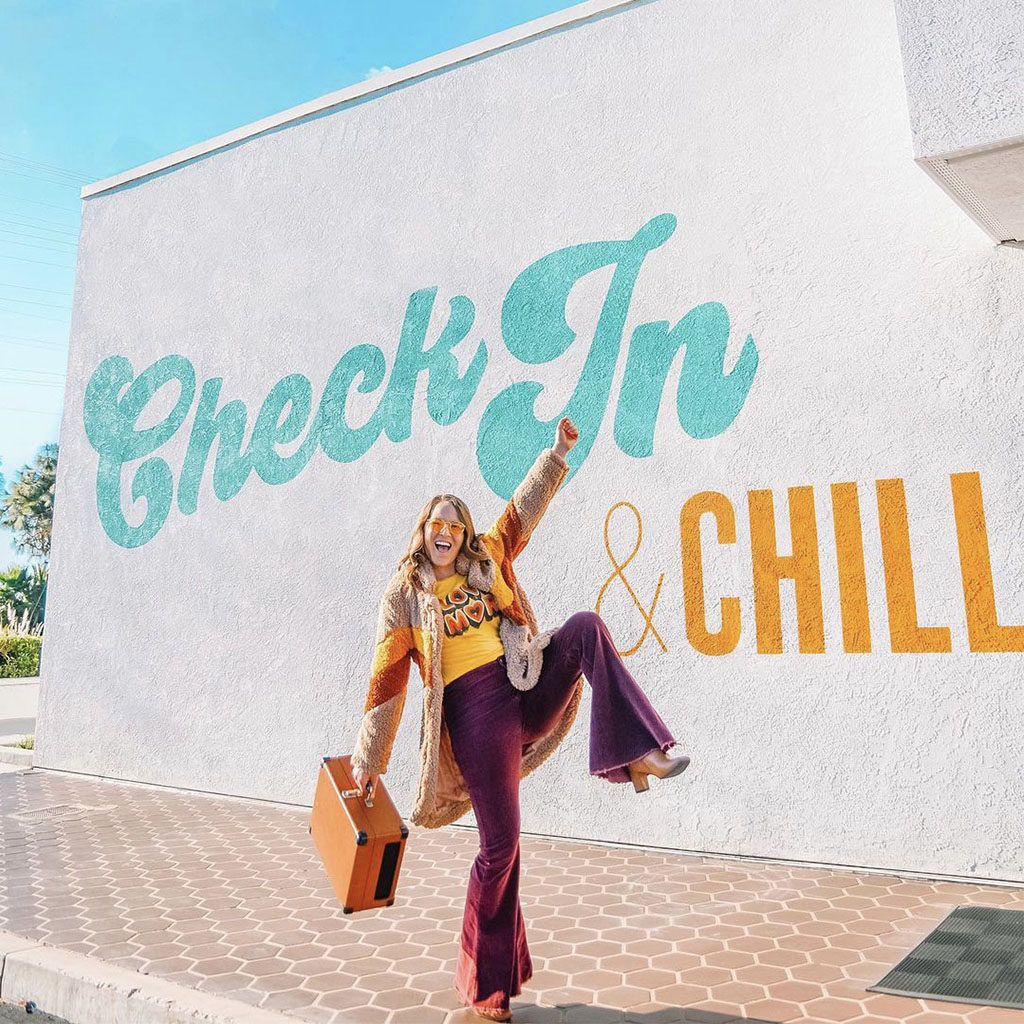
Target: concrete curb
86	990
14	755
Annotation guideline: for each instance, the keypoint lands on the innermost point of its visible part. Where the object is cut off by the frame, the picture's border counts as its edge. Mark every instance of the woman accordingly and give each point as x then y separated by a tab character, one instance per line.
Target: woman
499	696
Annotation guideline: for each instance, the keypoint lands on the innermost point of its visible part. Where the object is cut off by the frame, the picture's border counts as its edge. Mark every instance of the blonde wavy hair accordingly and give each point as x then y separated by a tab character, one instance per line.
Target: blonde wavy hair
416	554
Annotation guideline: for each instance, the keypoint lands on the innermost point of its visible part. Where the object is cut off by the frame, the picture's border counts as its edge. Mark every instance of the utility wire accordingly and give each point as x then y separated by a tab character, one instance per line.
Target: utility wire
52	168
35	383
29	302
32	343
37	163
22	369
41	226
32	288
38	238
18	408
42	263
36	177
34	316
34	245
37	202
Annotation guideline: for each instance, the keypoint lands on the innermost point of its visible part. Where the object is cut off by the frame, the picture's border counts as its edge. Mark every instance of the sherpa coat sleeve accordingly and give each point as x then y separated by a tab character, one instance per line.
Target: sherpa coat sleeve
389	676
528	502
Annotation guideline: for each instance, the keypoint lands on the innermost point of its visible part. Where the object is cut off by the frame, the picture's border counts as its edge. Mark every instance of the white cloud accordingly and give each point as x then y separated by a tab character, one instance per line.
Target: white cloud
373	72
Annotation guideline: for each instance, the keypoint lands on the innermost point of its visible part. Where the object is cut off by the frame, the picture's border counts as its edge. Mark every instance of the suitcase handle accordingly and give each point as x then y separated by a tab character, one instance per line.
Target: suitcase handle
348	794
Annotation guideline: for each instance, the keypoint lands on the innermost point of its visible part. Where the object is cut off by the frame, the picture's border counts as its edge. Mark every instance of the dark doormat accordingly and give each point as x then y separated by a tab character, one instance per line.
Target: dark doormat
975	955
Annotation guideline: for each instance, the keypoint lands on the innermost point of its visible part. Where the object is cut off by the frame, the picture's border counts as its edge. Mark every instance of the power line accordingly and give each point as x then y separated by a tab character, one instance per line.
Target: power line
25	370
32	288
33	343
29	302
38	202
33	316
38	238
35	383
53	168
37	163
22	369
45	251
52	247
37	177
41	226
42	263
18	408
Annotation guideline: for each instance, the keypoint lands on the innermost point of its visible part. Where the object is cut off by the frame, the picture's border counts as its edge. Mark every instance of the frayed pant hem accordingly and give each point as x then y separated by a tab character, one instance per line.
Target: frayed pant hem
465	984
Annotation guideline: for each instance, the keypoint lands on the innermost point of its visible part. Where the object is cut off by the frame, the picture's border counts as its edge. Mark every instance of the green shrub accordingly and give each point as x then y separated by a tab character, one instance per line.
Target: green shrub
23	598
19	654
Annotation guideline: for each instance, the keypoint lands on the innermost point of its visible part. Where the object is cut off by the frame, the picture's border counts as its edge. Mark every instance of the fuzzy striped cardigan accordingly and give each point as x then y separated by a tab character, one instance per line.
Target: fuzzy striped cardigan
442	796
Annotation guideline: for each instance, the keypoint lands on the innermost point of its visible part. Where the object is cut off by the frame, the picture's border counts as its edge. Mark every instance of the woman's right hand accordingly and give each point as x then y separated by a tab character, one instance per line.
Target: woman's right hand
362	779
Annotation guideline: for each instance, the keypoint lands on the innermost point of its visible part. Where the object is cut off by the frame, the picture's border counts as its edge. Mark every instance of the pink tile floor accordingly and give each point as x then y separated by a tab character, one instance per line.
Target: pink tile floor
229	896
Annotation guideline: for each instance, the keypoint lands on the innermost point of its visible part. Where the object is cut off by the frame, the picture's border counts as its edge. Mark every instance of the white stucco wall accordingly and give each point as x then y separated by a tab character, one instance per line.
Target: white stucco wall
964	73
964	67
231	651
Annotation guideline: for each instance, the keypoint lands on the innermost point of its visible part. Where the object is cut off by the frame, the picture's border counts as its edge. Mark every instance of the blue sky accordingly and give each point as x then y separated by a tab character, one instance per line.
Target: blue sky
91	89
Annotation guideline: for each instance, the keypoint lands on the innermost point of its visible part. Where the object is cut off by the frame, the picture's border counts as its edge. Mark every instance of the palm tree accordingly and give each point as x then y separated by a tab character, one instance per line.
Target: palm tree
27	510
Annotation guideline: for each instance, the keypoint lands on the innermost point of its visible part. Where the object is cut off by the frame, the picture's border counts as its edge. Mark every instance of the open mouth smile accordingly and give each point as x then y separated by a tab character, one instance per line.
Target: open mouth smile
442	545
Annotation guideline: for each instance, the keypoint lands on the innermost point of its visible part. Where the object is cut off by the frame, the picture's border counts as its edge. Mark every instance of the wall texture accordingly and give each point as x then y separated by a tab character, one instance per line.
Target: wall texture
964	71
215	632
964	68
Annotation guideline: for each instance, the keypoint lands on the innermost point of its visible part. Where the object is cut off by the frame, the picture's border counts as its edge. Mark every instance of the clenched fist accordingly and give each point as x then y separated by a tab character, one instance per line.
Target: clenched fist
567	436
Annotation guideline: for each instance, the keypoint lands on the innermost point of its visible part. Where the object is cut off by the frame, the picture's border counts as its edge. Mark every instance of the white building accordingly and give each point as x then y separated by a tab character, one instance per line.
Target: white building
698	230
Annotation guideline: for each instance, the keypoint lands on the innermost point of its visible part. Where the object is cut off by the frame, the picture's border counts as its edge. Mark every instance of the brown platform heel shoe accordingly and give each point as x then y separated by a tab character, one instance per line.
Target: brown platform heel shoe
657	763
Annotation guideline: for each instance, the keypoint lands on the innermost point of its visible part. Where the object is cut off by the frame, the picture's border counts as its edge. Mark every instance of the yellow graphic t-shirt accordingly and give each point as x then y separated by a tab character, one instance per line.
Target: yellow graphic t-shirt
471	619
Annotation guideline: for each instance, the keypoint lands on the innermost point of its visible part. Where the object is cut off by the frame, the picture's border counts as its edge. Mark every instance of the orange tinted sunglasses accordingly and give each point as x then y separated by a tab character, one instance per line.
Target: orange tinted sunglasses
437	525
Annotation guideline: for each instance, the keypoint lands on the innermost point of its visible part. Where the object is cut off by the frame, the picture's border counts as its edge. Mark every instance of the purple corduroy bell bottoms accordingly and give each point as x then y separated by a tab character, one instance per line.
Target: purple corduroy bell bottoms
488	721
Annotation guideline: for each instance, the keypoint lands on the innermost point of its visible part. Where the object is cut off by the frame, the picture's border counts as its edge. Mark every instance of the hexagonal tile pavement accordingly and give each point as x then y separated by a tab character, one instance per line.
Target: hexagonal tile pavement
229	896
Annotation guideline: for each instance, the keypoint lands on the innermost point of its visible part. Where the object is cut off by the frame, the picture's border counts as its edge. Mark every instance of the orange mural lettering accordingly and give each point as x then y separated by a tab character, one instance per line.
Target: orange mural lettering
768	567
905	635
983	630
726	639
801	566
853	583
618	574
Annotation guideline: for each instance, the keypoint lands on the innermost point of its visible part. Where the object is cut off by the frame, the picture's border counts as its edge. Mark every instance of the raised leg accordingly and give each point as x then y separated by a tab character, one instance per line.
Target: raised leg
623	724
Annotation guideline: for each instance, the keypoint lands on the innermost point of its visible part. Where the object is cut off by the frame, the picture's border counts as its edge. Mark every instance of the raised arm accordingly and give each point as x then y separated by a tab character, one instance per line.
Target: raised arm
529	501
389	677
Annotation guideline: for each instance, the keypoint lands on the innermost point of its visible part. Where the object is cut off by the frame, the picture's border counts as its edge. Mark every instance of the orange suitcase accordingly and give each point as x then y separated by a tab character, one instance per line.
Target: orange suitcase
360	841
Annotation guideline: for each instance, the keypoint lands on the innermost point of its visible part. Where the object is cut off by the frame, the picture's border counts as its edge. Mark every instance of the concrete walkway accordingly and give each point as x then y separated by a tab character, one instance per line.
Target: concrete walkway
19	701
132	903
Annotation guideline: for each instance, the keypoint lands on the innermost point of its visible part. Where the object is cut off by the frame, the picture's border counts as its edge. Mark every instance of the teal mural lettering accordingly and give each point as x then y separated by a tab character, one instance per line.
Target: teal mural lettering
534	329
448	394
341	442
110	427
707	400
296	392
231	467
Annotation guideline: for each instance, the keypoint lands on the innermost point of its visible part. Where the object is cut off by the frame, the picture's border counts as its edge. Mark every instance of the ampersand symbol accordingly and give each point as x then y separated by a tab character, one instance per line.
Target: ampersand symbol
649	627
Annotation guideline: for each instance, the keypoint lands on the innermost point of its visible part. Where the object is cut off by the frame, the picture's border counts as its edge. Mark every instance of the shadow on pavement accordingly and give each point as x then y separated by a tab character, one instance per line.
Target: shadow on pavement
587	1013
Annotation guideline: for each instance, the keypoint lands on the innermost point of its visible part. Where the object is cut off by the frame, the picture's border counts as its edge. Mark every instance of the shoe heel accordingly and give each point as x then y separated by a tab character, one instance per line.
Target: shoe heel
640	781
